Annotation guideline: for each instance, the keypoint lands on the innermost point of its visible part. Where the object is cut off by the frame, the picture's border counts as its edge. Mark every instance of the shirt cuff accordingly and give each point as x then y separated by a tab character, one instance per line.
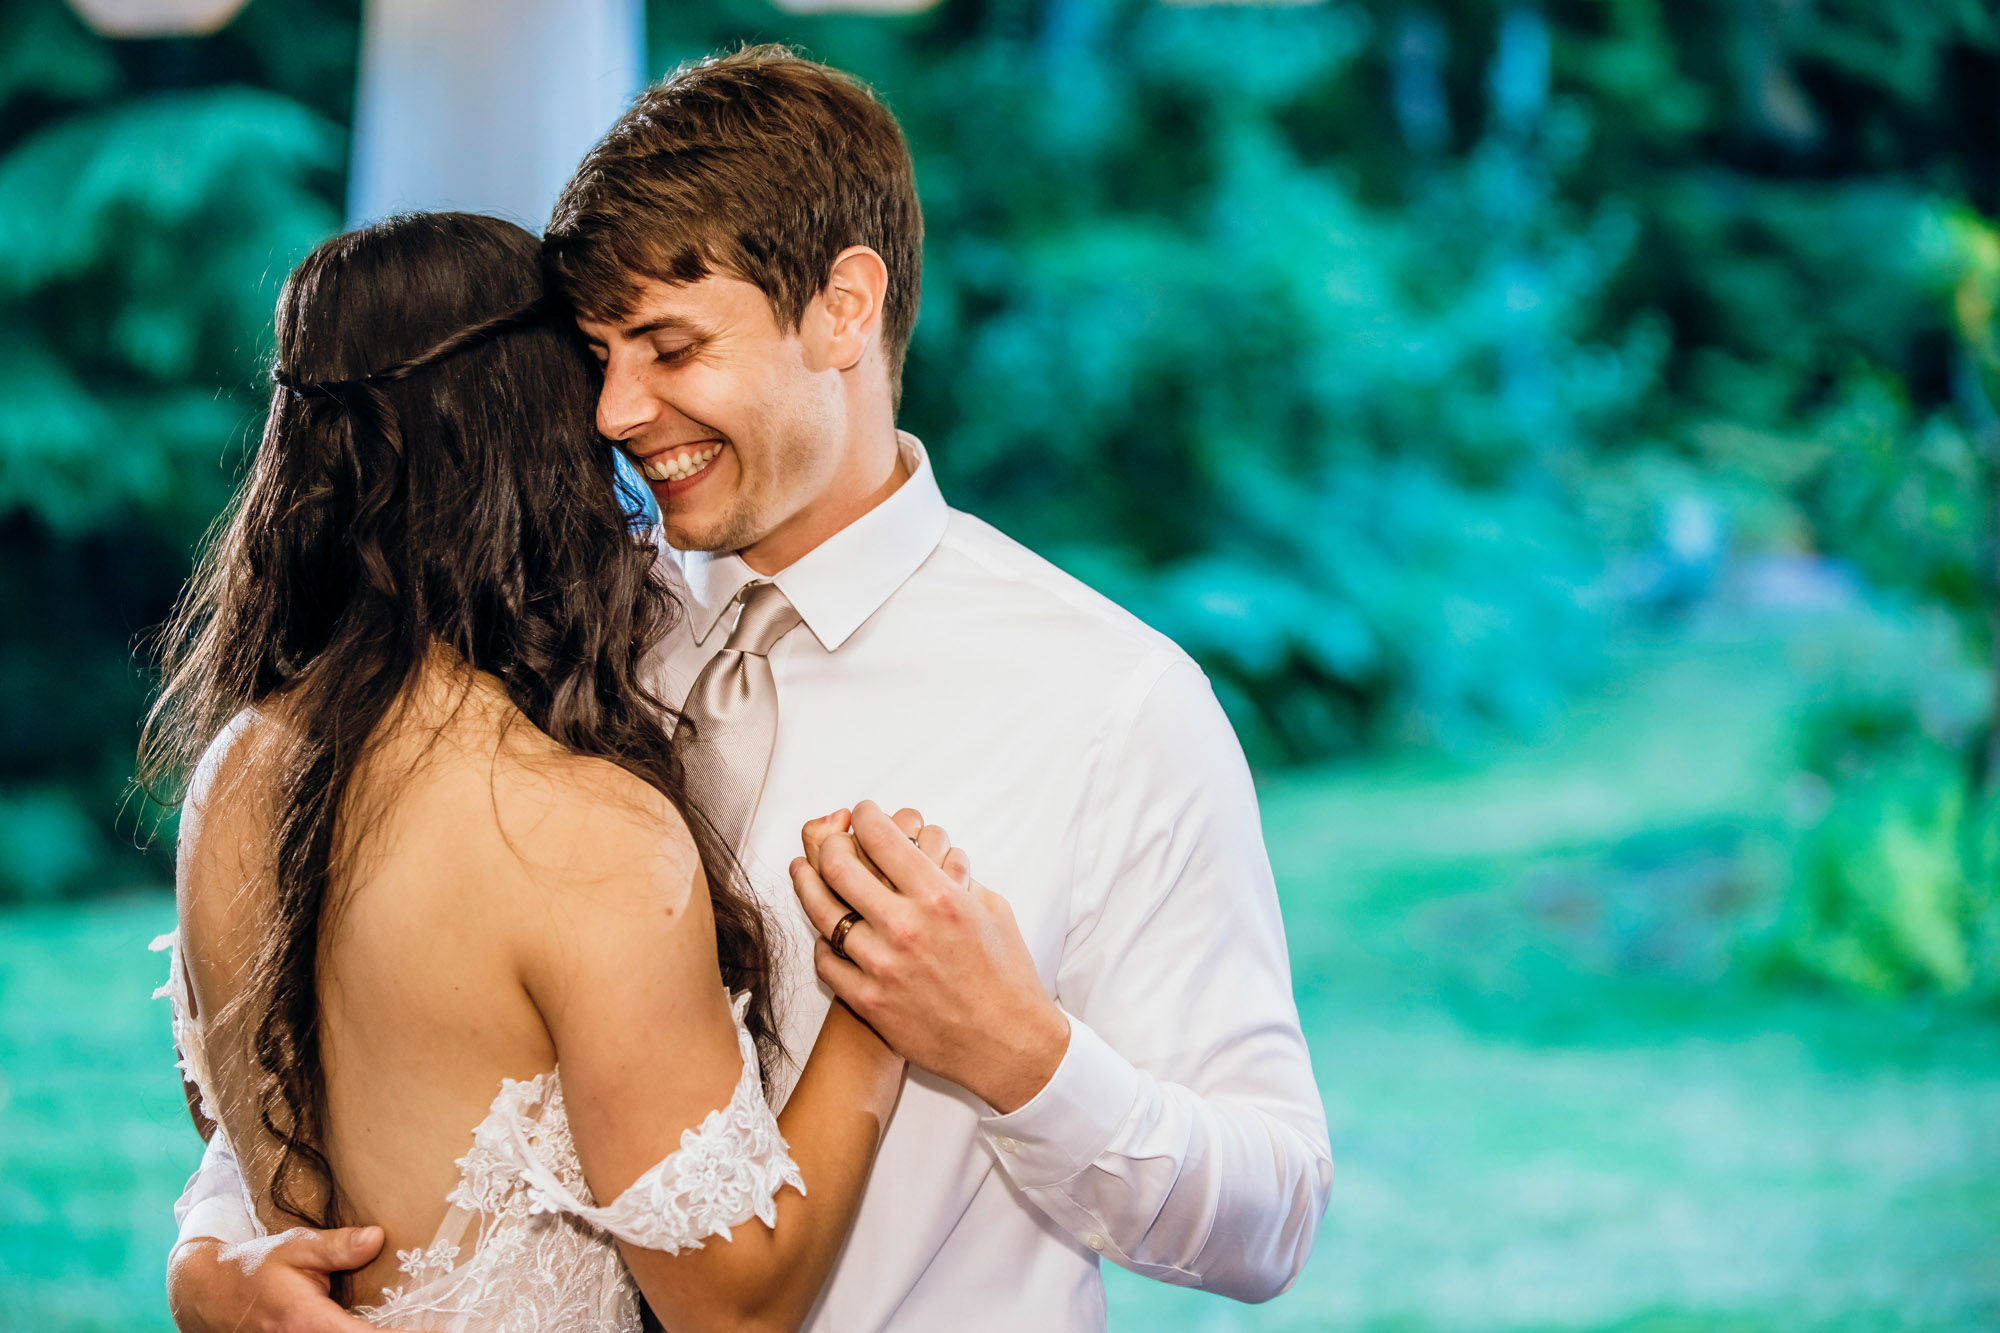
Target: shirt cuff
1072	1120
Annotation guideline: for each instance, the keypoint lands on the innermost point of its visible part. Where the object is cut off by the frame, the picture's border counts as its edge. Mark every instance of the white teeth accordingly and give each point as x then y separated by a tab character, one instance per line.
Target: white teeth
681	465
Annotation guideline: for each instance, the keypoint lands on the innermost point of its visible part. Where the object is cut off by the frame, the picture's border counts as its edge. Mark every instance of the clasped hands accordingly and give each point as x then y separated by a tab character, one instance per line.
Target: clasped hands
935	963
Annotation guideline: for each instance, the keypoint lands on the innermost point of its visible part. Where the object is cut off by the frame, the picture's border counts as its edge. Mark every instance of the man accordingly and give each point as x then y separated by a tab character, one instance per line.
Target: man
1107	1063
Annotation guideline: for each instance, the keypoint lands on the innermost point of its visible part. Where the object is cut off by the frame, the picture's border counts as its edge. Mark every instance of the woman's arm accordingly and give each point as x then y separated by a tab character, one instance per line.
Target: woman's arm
767	1278
623	969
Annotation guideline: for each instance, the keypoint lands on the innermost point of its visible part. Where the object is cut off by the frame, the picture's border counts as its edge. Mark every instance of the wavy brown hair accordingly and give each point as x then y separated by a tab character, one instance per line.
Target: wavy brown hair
759	163
429	477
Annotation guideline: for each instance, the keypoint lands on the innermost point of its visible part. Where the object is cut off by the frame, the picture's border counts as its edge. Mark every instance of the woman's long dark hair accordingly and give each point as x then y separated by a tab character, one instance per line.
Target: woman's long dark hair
429	477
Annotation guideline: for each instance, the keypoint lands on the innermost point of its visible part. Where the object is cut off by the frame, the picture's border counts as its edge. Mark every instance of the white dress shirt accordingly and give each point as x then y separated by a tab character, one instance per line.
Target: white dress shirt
1081	760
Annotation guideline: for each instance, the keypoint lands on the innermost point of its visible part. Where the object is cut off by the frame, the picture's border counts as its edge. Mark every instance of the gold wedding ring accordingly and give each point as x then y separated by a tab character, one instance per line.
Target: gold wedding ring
837	941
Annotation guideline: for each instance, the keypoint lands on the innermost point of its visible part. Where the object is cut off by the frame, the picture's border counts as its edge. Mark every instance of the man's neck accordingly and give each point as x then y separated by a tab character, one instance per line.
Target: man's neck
804	532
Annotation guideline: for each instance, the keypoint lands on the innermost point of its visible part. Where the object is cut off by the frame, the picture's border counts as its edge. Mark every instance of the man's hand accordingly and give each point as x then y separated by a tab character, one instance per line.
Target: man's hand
936	964
277	1284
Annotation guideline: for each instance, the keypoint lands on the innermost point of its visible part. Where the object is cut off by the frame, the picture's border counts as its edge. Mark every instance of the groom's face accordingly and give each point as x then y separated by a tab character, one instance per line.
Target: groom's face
726	414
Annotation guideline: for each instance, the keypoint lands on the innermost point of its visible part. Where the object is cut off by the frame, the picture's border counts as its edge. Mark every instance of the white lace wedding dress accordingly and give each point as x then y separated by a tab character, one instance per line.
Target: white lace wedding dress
524	1248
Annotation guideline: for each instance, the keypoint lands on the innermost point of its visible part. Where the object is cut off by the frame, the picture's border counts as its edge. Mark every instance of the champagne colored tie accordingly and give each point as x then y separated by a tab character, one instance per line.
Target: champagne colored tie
730	720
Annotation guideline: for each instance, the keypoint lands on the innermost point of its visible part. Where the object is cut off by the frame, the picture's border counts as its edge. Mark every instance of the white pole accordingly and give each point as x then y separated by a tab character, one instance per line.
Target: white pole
486	105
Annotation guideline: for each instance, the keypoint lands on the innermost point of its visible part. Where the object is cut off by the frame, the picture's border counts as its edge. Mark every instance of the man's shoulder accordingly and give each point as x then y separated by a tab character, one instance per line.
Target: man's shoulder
1015	591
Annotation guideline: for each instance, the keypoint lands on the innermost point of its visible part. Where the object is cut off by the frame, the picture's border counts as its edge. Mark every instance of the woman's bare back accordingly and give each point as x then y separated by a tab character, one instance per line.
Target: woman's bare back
458	823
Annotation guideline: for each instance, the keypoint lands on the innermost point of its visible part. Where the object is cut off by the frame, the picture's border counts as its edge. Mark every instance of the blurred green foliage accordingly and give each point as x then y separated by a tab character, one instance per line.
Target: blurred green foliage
1893	886
152	197
1381	352
1387	354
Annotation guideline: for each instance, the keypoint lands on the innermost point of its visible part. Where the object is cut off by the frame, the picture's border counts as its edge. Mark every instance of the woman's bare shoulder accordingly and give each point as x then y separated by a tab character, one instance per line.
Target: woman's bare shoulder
236	756
558	821
607	887
228	809
591	821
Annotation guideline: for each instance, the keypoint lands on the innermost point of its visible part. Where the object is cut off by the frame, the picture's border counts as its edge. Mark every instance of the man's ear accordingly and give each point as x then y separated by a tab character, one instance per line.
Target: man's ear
849	309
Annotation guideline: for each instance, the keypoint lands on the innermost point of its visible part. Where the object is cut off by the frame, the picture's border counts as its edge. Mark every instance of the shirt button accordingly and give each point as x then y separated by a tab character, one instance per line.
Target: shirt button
1093	1240
1005	1144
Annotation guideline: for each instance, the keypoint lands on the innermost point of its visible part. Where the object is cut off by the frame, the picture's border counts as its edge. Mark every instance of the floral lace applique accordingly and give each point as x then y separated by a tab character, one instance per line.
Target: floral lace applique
546	1260
422	1265
539	1255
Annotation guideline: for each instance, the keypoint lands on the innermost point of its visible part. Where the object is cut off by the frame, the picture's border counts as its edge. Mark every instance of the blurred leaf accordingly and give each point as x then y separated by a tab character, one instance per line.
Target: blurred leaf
49	53
131	185
180	213
53	435
1883	906
48	845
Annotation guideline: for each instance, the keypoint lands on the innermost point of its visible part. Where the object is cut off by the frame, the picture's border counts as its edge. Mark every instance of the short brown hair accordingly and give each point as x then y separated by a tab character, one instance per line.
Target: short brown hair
760	163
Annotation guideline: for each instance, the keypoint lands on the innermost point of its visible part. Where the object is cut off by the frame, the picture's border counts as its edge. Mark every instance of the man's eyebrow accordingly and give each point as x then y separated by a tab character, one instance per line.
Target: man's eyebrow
677	323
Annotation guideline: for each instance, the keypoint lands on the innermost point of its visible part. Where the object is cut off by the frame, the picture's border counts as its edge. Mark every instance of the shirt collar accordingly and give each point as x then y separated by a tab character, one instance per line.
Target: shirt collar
844	580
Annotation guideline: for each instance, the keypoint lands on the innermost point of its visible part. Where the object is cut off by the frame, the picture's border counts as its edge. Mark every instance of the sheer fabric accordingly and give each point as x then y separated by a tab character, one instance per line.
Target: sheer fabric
524	1247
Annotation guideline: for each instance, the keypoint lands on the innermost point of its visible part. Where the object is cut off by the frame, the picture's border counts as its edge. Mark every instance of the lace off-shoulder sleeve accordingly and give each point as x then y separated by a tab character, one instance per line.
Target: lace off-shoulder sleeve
726	1171
191	1056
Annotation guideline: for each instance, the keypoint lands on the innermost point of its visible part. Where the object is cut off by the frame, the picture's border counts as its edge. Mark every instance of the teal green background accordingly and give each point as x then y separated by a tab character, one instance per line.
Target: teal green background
1566	433
1522	1141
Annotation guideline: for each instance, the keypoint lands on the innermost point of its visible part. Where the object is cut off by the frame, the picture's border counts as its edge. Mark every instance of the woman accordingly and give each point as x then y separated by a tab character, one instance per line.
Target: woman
456	957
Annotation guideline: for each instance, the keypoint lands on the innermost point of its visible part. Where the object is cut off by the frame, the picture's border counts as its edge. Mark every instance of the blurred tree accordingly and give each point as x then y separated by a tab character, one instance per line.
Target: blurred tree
1380	351
152	195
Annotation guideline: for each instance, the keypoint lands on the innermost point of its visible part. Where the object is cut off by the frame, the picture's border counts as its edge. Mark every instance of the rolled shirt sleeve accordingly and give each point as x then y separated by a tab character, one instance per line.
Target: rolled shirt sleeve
212	1205
1182	1136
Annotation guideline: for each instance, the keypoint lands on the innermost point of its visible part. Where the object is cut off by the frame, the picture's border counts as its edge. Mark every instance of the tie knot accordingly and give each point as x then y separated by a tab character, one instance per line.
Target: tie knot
768	616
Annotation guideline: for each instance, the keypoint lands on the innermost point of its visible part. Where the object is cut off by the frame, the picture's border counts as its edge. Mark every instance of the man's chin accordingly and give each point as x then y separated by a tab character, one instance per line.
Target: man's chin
682	540
715	538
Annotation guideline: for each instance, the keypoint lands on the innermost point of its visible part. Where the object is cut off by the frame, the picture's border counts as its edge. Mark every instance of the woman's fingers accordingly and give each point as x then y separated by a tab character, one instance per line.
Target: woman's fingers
933	842
815	834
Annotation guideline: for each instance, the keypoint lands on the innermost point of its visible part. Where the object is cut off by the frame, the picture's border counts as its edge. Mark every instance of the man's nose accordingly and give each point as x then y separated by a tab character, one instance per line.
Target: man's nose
624	407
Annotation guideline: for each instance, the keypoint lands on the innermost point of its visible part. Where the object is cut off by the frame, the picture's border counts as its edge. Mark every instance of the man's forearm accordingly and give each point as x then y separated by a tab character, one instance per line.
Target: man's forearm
1184	1135
1208	1191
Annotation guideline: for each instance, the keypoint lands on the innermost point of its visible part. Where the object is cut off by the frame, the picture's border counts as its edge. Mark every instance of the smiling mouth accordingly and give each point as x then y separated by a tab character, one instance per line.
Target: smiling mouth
678	467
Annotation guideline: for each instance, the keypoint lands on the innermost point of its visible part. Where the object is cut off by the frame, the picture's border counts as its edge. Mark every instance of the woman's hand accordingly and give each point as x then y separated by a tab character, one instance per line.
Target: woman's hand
930	839
932	961
817	835
826	908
